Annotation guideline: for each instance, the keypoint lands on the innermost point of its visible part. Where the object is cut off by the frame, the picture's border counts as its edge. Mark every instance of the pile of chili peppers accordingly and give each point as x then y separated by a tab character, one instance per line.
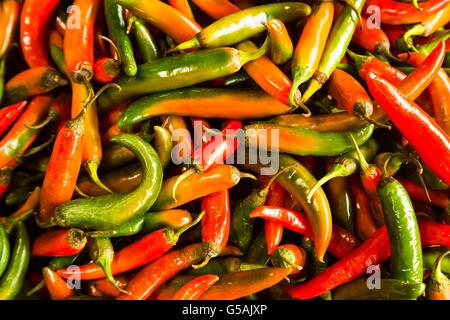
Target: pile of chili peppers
119	118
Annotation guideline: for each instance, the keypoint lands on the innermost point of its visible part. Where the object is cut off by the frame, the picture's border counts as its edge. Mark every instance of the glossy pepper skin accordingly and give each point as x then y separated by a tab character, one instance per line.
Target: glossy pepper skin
439	285
110	211
59	243
281	47
4	249
195	288
9	114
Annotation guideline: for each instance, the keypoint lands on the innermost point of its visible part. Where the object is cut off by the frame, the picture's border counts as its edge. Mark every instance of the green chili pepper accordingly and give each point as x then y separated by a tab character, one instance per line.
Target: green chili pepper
110	211
338	40
403	230
129	228
163	145
306	142
57	55
390	163
257	253
431	255
237	79
4	249
115	156
245	24
204	103
115	21
148	48
298	181
390	289
178	72
174	219
341	203
13	278
431	180
218	266
17	196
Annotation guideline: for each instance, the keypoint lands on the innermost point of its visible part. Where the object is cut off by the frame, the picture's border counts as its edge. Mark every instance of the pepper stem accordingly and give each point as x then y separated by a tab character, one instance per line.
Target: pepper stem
313	87
174	236
357	58
436	273
245	56
113	45
81	193
376	123
409	35
351	4
336	172
362	160
38	148
36	288
92	170
52	115
275	176
180	179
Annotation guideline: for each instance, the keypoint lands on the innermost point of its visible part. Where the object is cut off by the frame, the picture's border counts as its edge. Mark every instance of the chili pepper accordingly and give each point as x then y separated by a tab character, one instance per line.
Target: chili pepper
34	21
305	142
196	185
18	195
418	193
117	31
105	288
5	179
218	266
20	137
168	290
167	19
438	287
432	181
281	47
139	253
4	249
148	48
63	168
257	253
216	9
423	134
55	48
338	40
110	211
391	162
153	275
207	103
364	222
430	256
390	289
9	18
289	256
9	114
14	276
183	142
244	24
106	70
129	228
403	231
196	287
267	75
310	46
342	242
394	12
183	6
237	285
439	91
433	233
274	231
350	95
215	225
56	286
175	219
163	145
178	72
59	110
339	197
32	82
62	242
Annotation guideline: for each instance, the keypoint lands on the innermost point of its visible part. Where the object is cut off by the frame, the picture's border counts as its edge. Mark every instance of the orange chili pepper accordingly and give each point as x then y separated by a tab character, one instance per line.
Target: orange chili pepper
59	243
417	192
184	7
9	18
57	287
177	124
105	287
216	9
194	288
281	47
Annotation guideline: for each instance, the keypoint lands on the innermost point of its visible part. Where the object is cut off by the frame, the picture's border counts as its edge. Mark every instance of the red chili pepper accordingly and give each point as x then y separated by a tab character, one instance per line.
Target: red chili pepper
216	9
5	179
341	244
273	230
215	224
372	252
9	114
106	70
155	274
430	142
395	12
59	243
57	287
184	7
418	193
34	21
103	287
364	223
194	289
150	247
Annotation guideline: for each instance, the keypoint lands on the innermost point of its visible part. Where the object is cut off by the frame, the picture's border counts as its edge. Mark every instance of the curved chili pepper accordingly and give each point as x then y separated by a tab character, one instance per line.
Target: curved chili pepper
338	40
394	12
305	142
364	223
110	211
106	70
63	242
216	9
439	285
390	289
4	249
148	48
342	242
163	145
423	134
281	47
418	193
178	72
289	256
204	102
244	24
32	82
56	286
115	20
196	287
272	230
9	114
310	46
403	231
34	22
174	218
20	137
135	255
56	51
9	18
167	19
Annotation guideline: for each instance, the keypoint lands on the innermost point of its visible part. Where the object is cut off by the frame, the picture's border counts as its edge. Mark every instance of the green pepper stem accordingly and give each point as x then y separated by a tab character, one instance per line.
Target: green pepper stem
189	226
362	160
39	148
52	115
92	170
337	171
409	35
245	56
36	288
193	43
265	190
436	273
